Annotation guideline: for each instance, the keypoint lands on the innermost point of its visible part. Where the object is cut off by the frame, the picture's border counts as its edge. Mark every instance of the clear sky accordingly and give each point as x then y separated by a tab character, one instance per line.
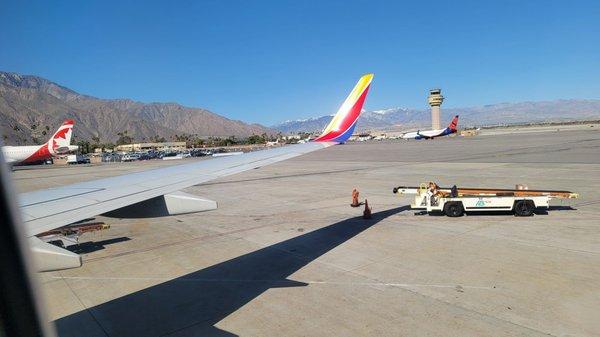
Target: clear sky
268	61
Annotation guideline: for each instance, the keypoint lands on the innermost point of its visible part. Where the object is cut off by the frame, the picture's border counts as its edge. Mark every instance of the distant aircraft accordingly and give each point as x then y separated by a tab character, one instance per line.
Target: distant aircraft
430	134
47	214
59	143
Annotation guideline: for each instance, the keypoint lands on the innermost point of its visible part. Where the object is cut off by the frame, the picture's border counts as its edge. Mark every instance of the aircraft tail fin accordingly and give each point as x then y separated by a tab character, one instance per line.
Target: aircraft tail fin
342	125
454	123
62	137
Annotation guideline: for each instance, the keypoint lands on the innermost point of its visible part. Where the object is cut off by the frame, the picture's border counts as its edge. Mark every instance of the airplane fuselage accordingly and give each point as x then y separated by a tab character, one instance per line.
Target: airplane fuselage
25	154
429	134
59	143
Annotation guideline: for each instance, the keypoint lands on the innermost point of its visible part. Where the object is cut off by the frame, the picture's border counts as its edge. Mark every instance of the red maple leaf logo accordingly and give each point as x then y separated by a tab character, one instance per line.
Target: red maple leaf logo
59	134
62	133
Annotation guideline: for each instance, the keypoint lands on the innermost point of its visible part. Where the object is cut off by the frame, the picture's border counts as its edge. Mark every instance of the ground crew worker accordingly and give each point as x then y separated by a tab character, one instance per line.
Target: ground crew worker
432	191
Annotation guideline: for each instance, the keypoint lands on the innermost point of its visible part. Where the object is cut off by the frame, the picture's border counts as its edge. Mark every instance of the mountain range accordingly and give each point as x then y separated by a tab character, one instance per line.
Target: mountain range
31	107
398	119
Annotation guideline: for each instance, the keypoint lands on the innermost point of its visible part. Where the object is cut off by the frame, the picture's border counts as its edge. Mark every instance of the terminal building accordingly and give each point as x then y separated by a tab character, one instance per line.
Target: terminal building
151	146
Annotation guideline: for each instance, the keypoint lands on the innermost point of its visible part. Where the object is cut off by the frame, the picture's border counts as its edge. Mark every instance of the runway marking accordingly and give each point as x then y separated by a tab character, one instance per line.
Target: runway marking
404	285
281	282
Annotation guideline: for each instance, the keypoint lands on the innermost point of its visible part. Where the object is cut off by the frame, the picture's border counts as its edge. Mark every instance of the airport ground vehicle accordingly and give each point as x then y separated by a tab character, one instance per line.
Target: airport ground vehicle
77	159
454	202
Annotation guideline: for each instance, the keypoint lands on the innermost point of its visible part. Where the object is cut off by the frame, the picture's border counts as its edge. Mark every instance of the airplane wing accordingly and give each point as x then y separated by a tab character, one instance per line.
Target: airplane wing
52	208
56	207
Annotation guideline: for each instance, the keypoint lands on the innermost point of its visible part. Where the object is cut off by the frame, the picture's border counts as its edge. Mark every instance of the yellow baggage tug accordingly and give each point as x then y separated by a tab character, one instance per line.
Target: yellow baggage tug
456	201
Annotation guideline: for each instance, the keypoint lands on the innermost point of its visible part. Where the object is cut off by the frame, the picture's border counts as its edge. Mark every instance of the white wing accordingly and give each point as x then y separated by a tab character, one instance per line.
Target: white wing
56	207
52	208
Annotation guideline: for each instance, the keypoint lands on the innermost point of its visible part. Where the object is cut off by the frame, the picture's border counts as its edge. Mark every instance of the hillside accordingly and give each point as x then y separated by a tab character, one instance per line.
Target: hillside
494	114
31	107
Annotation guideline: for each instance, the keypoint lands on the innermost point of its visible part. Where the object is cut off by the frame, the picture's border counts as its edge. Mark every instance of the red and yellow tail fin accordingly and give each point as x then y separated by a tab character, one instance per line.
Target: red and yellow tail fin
343	123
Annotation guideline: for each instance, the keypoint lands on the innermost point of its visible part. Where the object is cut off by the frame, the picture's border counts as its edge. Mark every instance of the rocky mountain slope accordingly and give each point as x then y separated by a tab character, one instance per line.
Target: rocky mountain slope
31	107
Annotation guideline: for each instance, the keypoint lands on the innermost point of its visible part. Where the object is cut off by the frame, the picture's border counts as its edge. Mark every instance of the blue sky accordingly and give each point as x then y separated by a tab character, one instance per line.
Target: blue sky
269	61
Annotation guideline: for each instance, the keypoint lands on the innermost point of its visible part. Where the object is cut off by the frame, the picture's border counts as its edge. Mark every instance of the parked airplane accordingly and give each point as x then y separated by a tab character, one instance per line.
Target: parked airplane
48	213
59	143
430	134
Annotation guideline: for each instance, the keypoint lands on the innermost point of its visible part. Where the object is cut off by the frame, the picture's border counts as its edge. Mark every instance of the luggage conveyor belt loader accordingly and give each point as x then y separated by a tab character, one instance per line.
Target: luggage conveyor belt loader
455	201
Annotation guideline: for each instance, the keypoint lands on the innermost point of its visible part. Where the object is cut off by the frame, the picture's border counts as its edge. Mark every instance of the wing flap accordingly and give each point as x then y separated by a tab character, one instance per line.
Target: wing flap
48	257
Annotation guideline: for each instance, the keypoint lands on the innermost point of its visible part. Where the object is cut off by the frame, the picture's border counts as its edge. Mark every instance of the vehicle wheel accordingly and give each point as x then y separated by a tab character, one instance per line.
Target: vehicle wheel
524	208
454	209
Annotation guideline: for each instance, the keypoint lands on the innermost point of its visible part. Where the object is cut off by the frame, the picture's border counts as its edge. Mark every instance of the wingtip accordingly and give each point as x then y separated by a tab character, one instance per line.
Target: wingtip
368	76
342	125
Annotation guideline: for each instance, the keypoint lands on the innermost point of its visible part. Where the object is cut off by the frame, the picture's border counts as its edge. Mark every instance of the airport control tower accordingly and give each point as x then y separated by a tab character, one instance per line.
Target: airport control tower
435	100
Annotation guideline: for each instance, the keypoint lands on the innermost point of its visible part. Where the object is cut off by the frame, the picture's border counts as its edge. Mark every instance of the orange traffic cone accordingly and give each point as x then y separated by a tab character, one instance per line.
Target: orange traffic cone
367	211
355	202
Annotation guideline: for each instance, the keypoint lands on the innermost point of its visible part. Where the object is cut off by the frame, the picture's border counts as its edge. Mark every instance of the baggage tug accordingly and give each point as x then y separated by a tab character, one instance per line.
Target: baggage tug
454	201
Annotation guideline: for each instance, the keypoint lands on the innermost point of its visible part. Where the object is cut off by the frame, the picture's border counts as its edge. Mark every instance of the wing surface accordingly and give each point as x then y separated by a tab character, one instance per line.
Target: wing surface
56	207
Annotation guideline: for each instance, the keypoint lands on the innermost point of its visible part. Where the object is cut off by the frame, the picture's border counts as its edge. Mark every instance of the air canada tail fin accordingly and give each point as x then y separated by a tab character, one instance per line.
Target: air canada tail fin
343	123
61	139
452	126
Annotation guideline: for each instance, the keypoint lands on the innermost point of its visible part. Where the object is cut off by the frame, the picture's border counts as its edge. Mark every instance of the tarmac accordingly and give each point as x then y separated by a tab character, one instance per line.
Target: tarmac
285	254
